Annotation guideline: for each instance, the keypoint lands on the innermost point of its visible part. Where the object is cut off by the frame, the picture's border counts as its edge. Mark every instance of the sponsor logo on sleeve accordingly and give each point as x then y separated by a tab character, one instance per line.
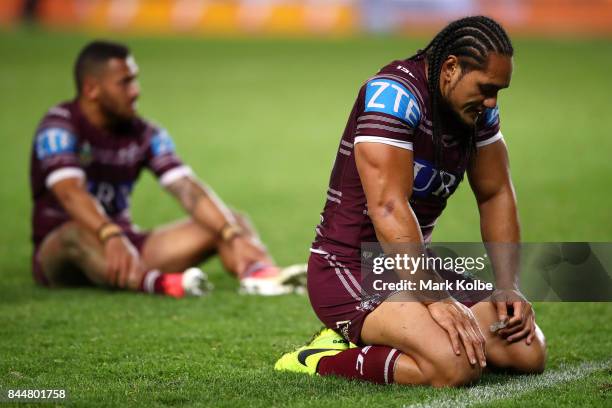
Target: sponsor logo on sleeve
392	98
54	141
162	143
491	115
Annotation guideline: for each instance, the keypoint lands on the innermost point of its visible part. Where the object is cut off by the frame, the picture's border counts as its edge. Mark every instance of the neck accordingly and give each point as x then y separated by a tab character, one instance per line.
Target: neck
93	113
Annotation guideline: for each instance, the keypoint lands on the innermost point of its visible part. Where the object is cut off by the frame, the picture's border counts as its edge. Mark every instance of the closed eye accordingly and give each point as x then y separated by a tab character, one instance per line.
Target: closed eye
490	89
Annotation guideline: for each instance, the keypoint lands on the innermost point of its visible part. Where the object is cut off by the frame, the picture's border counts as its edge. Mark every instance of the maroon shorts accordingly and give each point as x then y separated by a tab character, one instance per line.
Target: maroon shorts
132	233
336	294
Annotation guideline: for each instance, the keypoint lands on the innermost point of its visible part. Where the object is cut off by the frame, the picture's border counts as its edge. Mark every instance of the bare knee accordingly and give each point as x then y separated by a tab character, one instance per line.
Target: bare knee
519	357
64	254
66	243
453	371
529	359
72	238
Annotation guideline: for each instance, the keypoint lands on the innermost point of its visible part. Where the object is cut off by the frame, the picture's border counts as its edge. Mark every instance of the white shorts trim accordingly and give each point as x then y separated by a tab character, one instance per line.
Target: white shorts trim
343	280
384	140
174	174
63	174
492	139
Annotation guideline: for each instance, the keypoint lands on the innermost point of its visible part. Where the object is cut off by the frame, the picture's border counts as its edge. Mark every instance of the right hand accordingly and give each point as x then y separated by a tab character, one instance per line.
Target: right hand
123	266
462	327
521	323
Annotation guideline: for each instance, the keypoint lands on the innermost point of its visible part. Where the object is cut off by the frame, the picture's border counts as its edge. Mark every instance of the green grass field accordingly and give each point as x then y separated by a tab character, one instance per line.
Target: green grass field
260	120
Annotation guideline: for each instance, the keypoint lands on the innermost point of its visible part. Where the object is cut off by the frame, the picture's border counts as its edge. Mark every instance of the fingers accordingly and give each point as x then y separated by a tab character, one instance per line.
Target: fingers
130	273
453	336
476	344
467	328
526	327
517	315
502	311
532	332
520	334
112	269
508	331
136	274
481	350
122	263
462	329
467	344
124	270
525	330
241	266
478	338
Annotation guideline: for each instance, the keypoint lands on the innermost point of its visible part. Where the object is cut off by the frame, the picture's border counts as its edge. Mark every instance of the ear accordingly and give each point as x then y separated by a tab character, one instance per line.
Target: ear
450	68
91	87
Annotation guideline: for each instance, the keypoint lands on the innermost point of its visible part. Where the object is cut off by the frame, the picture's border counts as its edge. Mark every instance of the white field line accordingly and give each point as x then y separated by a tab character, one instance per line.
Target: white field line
515	387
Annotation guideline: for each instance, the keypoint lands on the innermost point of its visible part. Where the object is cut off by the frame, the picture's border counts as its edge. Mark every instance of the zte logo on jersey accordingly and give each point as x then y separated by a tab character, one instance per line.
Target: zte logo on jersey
161	143
431	181
392	98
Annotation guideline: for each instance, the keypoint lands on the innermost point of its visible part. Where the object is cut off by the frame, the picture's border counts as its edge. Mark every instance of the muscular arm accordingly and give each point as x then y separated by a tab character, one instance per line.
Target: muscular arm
386	174
490	180
201	203
489	176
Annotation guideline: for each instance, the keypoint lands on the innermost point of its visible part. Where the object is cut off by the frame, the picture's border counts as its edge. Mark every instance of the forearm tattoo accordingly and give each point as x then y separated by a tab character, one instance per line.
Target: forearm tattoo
189	192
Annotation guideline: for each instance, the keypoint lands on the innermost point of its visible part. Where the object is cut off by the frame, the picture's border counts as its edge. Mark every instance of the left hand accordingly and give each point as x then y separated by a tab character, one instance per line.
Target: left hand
246	252
521	323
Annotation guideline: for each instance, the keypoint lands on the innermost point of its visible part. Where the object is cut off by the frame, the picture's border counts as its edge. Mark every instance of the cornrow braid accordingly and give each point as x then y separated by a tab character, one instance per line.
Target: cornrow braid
470	39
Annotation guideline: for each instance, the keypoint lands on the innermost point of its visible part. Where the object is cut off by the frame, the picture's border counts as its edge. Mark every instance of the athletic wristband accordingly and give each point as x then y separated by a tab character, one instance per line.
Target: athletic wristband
231	231
108	231
116	234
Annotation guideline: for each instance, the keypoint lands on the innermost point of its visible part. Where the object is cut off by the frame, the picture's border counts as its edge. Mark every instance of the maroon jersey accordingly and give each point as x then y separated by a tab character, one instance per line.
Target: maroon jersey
393	108
67	145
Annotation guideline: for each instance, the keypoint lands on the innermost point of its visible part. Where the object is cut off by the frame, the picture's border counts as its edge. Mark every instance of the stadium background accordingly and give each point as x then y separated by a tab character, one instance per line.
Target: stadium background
256	95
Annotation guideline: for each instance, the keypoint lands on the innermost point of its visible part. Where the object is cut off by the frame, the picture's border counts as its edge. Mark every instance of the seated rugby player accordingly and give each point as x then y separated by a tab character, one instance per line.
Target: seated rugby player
87	155
416	127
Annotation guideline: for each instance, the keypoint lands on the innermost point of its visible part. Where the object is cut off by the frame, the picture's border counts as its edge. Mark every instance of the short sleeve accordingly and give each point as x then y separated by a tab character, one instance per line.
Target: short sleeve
489	131
56	149
391	113
163	160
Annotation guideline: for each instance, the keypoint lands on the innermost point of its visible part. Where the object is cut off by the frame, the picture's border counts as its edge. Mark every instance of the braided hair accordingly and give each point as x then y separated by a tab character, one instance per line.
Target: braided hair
471	40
